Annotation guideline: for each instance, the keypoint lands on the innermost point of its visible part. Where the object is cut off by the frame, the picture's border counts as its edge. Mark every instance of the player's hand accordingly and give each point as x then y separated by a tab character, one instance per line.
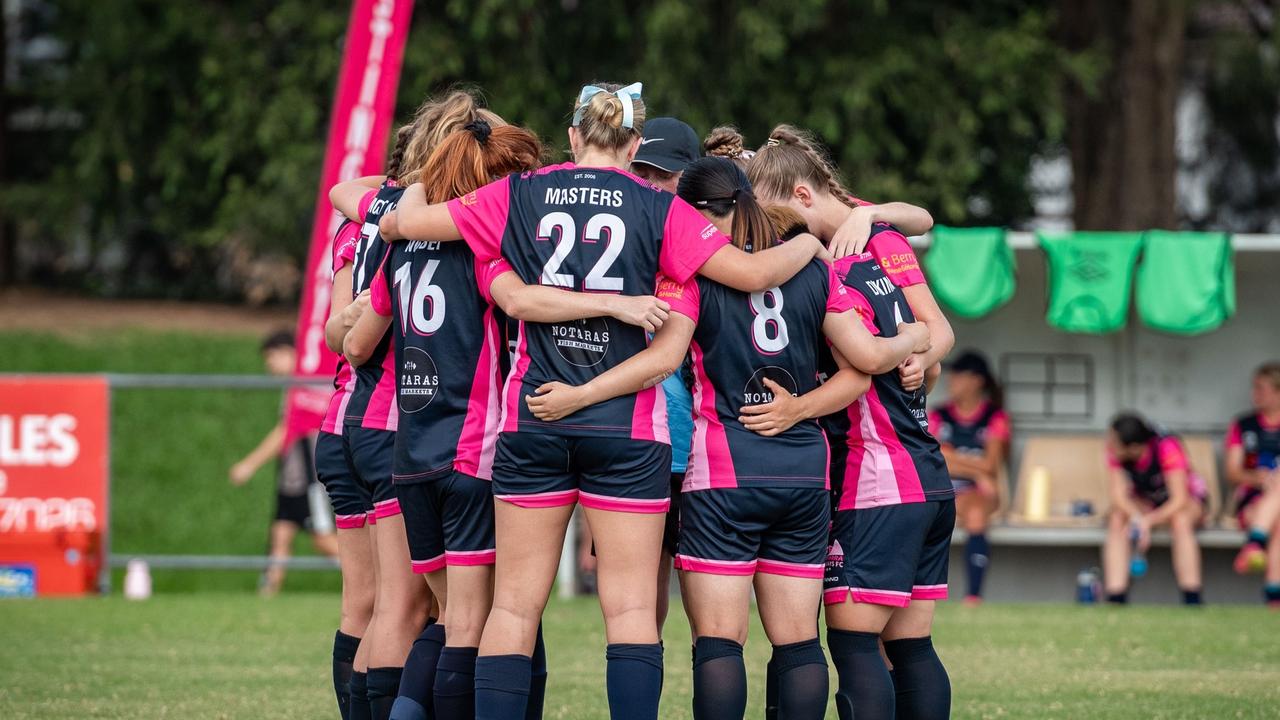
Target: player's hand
912	372
644	311
351	313
852	235
919	334
389	227
556	400
1271	480
241	472
1142	528
775	417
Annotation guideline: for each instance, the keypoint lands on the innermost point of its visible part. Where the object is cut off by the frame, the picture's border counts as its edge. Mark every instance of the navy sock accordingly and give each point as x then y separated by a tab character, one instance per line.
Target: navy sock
977	553
1192	597
771	688
1120	598
802	679
537	679
359	701
502	686
921	687
633	674
415	701
865	690
455	690
384	686
1271	592
719	680
1257	535
344	654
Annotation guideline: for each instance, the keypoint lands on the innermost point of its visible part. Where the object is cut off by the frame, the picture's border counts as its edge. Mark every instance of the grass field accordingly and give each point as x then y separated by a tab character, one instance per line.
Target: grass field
233	656
171	448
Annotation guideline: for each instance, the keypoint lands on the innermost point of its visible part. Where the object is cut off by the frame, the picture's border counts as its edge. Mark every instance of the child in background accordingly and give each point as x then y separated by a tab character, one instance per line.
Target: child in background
301	503
1253	445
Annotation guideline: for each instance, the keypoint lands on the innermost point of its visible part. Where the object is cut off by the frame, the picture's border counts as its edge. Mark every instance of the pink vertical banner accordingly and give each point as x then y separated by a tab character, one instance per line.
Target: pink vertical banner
363	106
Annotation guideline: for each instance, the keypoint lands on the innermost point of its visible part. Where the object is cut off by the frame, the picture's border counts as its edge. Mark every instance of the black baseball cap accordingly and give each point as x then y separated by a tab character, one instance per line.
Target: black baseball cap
668	144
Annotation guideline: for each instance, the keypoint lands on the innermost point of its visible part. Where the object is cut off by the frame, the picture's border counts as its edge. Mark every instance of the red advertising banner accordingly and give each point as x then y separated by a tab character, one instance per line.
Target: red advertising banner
363	106
53	484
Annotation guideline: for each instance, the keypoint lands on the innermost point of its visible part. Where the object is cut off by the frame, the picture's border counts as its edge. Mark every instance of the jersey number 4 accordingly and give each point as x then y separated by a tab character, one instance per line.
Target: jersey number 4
769	328
604	226
421	303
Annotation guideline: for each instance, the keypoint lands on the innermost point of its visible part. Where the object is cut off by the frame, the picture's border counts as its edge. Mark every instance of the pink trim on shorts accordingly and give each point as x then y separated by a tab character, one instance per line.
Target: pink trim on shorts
458	558
422	567
790	569
929	592
628	505
891	598
558	498
349	522
716	567
386	508
372	517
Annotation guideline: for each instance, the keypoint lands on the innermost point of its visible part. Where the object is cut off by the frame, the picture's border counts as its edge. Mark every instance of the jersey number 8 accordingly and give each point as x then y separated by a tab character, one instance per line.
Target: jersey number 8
598	279
768	329
422	306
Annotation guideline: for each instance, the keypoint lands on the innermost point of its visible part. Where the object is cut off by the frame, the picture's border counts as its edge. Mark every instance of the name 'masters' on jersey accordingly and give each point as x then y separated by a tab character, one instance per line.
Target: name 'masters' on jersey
447	348
372	403
893	459
344	381
598	230
742	339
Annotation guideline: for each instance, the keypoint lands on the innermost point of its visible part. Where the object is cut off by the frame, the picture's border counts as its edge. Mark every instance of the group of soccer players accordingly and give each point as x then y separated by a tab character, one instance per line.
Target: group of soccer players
520	339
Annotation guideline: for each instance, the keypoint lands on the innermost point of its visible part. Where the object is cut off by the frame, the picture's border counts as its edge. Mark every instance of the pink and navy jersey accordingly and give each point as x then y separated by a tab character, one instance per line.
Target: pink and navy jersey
1261	443
893	458
344	252
743	339
1164	454
595	230
447	349
372	403
969	434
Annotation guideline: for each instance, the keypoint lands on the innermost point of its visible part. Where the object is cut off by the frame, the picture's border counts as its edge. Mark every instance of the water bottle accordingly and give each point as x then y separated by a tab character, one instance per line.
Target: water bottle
137	580
1138	565
1088	586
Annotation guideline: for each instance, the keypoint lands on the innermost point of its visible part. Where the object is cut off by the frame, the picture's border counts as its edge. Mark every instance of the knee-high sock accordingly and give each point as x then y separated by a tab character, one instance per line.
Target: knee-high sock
537	679
977	554
358	708
866	690
771	689
344	654
633	673
384	686
502	686
455	690
719	680
414	699
921	684
803	682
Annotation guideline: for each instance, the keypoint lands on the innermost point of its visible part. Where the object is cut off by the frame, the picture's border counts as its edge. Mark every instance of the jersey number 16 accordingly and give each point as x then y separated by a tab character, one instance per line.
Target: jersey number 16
422	305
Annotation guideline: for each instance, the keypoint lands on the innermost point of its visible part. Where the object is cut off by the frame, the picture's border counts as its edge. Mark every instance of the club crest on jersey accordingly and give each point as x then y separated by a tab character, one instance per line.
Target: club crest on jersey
470	198
757	393
419	380
583	343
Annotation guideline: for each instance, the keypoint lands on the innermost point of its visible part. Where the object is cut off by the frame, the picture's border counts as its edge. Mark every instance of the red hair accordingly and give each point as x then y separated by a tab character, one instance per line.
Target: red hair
477	155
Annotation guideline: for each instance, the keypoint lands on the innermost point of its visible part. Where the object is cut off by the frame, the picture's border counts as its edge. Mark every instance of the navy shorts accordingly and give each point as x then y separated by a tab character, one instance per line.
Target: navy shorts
742	531
534	470
890	555
449	521
371	453
348	498
671	531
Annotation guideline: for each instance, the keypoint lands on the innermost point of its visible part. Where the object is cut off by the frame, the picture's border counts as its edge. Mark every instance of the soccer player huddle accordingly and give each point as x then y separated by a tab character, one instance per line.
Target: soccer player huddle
521	338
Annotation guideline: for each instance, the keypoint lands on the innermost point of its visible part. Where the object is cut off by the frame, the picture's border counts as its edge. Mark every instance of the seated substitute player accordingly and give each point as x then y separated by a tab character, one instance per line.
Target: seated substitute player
437	297
755	506
300	499
974	432
894	509
1253	446
1152	484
